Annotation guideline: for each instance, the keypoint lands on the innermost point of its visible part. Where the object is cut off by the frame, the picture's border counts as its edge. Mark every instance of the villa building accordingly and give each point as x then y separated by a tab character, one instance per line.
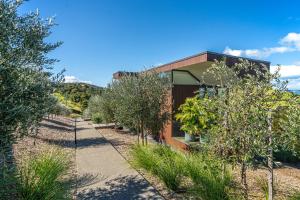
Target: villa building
186	75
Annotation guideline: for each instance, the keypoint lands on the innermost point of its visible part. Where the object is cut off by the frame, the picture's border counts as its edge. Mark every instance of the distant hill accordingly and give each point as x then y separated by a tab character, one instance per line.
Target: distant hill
76	95
296	91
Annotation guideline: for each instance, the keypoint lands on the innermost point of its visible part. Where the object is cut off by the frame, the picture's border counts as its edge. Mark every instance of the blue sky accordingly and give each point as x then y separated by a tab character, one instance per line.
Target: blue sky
103	36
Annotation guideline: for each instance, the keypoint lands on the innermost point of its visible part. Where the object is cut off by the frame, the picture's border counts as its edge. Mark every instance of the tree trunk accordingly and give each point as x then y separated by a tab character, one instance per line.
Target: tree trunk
146	139
244	179
223	170
270	159
142	133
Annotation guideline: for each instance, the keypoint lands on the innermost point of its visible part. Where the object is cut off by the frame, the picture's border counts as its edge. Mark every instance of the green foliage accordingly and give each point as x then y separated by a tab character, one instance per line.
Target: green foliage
78	93
173	167
140	102
256	115
210	181
26	78
196	115
103	104
41	177
60	109
162	162
295	196
97	118
73	106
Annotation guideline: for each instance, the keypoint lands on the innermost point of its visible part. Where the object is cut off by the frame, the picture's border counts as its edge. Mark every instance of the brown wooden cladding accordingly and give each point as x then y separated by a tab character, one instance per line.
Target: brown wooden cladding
181	92
177	96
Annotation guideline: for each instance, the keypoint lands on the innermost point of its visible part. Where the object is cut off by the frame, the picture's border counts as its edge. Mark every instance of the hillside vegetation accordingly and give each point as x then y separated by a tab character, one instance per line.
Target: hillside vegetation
76	95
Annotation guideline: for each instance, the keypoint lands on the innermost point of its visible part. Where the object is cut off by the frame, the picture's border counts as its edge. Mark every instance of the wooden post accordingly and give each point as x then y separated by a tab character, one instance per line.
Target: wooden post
270	157
75	135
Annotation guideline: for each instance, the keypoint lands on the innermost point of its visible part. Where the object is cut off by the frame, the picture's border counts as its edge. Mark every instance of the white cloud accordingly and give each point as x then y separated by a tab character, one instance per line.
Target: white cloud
73	79
287	71
233	52
158	64
291	39
294	84
289	43
290	73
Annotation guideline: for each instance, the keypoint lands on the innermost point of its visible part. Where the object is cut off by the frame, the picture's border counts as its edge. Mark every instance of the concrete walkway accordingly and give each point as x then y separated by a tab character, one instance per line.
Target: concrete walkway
103	173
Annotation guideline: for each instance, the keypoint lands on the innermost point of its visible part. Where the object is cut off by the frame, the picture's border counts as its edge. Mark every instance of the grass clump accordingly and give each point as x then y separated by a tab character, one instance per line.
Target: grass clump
160	161
201	174
211	180
42	177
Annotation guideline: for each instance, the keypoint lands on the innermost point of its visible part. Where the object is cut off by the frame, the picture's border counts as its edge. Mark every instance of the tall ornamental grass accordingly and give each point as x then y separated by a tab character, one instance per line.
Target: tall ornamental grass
203	175
210	179
43	177
160	161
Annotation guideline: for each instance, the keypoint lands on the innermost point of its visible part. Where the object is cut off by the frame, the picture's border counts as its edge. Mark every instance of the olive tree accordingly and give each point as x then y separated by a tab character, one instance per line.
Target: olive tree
26	81
102	105
141	102
248	101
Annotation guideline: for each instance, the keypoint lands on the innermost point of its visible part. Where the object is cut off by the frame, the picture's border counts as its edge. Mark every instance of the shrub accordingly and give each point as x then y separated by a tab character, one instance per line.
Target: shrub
86	114
97	118
42	176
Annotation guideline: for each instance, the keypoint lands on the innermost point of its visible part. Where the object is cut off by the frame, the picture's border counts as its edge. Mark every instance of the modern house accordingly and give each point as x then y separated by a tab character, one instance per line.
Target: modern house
187	75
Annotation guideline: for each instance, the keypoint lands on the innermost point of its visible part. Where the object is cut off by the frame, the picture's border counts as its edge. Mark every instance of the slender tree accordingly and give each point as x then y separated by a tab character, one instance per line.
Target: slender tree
251	96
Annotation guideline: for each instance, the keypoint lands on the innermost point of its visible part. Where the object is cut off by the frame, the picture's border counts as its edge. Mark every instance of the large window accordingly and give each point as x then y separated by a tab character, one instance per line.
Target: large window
184	78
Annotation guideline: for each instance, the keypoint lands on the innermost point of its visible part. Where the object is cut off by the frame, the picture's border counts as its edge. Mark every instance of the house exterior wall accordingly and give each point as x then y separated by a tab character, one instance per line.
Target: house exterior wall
176	97
179	93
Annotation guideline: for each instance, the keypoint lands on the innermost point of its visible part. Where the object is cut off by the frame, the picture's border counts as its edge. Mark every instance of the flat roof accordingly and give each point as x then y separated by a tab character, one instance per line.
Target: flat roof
205	57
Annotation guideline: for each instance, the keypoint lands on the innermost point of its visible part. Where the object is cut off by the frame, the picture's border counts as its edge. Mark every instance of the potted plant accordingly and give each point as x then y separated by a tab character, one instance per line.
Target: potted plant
194	117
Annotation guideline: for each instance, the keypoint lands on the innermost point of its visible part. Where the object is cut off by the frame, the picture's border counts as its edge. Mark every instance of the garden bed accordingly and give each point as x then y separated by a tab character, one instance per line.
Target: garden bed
53	133
287	177
123	142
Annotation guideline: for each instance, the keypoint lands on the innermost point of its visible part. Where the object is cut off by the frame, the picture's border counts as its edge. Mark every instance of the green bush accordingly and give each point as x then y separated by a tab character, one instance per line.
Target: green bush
97	118
41	177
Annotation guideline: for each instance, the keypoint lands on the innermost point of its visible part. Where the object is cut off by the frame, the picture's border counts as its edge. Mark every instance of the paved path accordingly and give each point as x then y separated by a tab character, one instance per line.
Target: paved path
103	173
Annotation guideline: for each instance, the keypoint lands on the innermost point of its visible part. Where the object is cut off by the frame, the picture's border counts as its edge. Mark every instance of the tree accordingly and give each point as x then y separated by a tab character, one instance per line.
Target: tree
246	109
26	81
140	102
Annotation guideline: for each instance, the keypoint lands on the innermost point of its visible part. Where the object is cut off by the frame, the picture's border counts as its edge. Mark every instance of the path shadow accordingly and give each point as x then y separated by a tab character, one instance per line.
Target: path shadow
118	142
88	179
62	128
58	122
121	188
58	127
81	143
